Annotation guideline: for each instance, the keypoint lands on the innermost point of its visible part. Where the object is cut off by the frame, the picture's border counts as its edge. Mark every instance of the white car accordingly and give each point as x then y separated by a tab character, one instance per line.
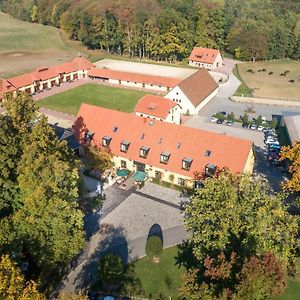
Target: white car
264	120
214	119
260	128
253	126
270	141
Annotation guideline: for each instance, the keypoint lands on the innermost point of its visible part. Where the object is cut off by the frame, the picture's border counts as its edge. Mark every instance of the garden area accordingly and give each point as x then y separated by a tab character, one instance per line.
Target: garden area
278	79
100	95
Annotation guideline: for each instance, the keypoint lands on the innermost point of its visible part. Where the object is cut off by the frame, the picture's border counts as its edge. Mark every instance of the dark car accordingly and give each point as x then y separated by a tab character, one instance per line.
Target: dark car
220	121
223	113
245	125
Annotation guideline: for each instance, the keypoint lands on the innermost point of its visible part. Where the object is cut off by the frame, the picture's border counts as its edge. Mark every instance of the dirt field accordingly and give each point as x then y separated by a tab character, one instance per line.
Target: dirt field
269	83
25	46
144	68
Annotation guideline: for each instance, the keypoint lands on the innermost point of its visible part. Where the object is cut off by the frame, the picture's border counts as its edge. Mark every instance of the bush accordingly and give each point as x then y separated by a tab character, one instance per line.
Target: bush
153	246
110	269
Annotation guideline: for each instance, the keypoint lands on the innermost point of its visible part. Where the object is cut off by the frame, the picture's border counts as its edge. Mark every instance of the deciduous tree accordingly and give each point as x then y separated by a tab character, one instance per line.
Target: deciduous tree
13	285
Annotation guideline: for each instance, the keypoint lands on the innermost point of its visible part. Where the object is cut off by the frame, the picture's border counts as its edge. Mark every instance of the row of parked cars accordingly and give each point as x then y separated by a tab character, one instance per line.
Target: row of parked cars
273	145
251	125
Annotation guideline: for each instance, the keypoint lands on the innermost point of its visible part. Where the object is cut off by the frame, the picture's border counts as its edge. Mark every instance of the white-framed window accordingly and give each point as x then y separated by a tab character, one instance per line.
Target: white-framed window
124	146
144	150
186	163
164	157
106	141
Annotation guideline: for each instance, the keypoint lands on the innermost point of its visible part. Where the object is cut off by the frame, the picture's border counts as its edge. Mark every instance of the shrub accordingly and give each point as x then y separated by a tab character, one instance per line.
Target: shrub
110	269
153	246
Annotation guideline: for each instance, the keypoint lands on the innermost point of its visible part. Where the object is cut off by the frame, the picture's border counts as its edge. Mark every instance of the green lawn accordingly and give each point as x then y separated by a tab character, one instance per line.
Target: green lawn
293	289
160	278
243	88
100	95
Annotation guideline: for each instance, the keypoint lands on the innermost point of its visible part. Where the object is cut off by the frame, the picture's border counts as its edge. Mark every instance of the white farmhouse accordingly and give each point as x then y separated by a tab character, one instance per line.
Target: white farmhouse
205	58
158	108
193	93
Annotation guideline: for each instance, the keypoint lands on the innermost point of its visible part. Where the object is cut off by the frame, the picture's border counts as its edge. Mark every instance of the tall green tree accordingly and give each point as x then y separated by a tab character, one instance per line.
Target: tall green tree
13	285
236	215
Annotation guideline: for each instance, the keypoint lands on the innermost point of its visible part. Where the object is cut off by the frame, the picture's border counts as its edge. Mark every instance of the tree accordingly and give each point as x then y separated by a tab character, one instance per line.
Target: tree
153	246
259	120
231	117
22	111
110	269
261	278
52	231
47	166
292	153
13	285
245	118
98	158
235	214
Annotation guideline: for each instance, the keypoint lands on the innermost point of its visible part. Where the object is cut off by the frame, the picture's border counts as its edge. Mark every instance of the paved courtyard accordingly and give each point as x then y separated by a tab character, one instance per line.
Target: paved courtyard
153	204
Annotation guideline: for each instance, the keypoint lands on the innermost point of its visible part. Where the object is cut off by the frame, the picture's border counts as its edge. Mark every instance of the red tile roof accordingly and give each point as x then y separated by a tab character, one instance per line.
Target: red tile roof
198	86
6	87
156	106
204	55
134	77
79	63
180	141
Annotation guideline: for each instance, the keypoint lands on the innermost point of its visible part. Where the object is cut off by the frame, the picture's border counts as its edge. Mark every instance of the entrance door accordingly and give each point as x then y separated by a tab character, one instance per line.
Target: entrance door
140	167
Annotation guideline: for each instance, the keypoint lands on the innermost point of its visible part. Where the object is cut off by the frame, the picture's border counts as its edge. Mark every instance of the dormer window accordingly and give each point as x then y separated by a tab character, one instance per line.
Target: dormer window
210	170
144	151
88	136
186	163
106	141
164	157
124	146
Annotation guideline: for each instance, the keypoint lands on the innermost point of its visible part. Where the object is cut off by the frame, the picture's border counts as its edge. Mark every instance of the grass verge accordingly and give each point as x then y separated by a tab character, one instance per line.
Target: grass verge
243	89
99	95
160	280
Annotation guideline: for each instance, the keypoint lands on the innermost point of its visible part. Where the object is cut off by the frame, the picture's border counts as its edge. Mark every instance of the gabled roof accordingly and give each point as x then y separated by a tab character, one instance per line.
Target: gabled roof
134	77
6	87
198	86
156	106
45	73
159	136
204	55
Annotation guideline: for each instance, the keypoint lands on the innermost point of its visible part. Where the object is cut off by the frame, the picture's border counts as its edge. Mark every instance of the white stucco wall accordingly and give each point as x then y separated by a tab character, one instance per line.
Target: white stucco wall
172	117
216	64
180	98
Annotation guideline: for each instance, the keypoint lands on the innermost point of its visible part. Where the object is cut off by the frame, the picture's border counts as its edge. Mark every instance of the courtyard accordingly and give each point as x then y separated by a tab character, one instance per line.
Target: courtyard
96	94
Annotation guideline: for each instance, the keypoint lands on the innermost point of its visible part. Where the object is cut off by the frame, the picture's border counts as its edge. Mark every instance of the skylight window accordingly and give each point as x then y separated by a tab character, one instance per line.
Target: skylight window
207	153
115	129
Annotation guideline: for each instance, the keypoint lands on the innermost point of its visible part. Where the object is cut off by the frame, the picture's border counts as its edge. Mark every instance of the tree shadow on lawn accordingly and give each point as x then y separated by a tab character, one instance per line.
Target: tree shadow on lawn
115	243
155	230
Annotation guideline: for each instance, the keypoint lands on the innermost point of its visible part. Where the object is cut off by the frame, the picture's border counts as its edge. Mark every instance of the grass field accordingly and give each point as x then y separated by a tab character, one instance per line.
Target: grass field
154	277
24	46
269	83
100	95
160	278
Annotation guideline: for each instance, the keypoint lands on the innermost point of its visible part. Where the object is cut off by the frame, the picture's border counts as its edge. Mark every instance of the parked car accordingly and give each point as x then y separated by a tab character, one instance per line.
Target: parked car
214	119
260	128
264	120
245	125
274	134
223	113
229	123
220	121
253	126
276	162
271	142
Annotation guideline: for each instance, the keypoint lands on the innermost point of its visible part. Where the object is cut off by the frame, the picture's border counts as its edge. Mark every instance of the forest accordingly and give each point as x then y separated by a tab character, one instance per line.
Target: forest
168	29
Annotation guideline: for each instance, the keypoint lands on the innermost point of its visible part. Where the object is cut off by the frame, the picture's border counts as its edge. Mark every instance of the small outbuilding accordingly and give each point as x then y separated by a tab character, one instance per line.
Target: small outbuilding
205	58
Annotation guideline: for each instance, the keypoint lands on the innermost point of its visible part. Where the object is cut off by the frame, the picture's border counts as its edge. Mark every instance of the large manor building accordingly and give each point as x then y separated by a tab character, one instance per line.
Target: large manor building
166	151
